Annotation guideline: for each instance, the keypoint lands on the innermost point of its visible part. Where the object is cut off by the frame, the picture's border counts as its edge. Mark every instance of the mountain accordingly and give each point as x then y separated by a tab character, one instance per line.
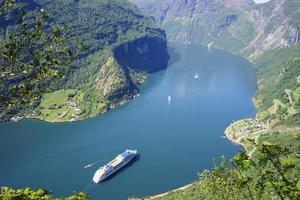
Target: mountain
240	26
123	46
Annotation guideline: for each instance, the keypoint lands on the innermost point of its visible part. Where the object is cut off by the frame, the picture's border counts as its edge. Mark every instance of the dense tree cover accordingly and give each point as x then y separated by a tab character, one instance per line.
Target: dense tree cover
273	172
102	25
33	54
45	55
37	194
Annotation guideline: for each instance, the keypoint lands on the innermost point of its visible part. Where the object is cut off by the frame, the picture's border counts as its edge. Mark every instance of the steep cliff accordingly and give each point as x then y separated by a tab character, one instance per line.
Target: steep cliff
145	54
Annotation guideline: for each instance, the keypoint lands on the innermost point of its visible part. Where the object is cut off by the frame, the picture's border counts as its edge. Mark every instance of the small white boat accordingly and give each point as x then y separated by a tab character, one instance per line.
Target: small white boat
88	166
169	99
196	76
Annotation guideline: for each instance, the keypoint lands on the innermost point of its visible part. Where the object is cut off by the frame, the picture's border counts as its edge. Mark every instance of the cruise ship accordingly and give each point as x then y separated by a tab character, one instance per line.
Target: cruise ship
114	165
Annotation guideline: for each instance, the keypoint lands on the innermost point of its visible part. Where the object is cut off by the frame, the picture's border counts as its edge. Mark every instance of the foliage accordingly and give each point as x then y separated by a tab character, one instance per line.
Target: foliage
101	26
33	53
37	194
278	71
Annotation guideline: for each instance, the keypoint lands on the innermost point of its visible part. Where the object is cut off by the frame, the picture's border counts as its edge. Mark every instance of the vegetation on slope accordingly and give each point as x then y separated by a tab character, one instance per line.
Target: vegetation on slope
37	194
102	26
33	53
278	97
271	173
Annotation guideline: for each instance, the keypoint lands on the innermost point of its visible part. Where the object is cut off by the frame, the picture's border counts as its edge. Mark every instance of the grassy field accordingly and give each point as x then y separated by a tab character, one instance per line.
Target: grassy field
69	105
54	104
58	98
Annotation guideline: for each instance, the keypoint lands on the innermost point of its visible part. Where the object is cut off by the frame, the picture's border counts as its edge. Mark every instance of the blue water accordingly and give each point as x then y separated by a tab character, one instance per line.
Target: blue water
176	139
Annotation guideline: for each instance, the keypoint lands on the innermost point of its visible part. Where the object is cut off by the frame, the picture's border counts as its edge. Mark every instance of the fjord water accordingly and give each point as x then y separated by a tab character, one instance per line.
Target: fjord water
175	139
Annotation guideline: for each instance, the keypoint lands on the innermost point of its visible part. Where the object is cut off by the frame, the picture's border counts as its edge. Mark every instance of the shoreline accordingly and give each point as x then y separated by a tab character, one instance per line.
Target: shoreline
163	194
236	142
16	119
249	128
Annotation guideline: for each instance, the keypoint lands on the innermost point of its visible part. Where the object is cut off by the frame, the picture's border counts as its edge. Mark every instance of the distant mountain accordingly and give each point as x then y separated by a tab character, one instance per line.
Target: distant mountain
240	26
123	46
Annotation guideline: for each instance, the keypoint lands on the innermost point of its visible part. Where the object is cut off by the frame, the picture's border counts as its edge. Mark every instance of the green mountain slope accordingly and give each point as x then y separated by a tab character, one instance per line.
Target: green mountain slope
123	45
278	99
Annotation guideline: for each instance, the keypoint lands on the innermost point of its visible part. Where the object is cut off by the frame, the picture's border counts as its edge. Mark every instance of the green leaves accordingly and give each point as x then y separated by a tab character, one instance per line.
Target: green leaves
34	53
288	162
272	172
27	193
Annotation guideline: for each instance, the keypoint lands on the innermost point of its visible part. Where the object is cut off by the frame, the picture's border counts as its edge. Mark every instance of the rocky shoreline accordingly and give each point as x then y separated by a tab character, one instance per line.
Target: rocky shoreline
246	129
229	137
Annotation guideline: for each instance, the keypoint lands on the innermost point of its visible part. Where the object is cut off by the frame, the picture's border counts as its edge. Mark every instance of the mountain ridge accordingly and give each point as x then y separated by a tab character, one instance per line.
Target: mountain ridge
242	27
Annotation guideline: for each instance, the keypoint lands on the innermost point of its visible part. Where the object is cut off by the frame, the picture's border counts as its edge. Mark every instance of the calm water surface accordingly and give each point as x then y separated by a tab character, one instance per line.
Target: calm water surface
175	139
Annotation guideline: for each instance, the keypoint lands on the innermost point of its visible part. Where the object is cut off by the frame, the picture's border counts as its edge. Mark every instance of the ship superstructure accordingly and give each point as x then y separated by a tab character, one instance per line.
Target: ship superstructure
114	165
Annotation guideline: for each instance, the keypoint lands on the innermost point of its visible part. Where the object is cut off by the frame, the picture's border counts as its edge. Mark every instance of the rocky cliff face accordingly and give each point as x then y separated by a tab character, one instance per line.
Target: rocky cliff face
240	26
147	54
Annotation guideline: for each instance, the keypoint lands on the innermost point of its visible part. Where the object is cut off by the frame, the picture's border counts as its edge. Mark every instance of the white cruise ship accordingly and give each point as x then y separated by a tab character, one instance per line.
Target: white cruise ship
114	165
